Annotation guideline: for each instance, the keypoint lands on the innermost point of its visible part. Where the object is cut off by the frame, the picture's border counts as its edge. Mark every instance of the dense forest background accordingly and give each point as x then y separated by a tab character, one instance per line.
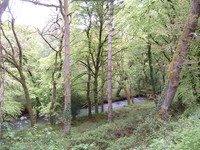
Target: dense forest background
147	48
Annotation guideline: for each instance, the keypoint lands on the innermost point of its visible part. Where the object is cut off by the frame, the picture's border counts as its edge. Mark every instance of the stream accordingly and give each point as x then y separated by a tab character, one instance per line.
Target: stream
25	122
117	104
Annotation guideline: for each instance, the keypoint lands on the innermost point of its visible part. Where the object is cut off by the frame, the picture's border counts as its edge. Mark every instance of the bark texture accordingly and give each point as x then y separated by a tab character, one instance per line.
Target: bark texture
110	108
179	57
149	54
88	66
128	94
54	91
95	89
67	101
28	100
102	88
88	94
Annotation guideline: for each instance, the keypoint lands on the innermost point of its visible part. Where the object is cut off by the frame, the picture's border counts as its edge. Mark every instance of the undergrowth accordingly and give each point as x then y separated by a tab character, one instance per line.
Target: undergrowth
134	127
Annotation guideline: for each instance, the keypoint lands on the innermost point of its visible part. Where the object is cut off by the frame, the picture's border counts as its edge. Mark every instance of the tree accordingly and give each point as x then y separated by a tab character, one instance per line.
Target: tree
3	6
94	16
179	57
123	78
67	102
14	55
110	61
100	17
87	62
53	33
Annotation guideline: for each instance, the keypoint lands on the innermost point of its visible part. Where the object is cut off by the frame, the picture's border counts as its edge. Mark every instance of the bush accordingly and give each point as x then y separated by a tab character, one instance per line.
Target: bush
186	136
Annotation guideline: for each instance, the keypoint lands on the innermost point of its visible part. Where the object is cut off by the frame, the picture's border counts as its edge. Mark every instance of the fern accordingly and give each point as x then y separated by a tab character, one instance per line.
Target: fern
11	109
188	87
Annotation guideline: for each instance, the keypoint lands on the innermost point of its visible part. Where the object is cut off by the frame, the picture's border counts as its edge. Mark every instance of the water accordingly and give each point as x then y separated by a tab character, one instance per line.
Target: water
117	104
25	122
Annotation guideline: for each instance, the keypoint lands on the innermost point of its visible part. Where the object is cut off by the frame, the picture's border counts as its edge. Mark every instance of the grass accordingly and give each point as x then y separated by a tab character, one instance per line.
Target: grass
134	127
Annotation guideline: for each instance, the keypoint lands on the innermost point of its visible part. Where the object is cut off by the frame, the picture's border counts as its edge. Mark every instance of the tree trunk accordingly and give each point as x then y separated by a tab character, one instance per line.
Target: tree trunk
163	76
124	78
67	101
179	57
19	66
120	86
131	95
127	92
102	89
102	99
88	94
27	97
96	93
149	54
54	89
52	116
110	108
119	90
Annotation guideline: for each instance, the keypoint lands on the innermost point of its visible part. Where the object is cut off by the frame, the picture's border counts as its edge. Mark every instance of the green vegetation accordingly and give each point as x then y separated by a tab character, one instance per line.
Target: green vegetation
90	53
134	127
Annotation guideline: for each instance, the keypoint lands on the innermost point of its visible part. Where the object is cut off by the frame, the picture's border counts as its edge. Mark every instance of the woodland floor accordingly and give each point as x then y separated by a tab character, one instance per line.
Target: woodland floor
134	127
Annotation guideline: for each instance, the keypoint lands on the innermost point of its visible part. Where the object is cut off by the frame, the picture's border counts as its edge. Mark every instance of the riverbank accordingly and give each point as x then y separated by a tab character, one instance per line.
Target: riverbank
24	121
134	127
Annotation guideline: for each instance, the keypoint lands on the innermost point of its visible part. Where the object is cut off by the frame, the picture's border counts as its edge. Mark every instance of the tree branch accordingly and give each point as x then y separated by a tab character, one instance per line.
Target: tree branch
11	74
17	40
9	42
87	66
47	41
41	4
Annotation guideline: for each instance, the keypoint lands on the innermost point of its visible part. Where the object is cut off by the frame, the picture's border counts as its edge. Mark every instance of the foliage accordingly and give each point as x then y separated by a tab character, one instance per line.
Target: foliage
11	109
188	93
93	134
137	24
134	127
185	135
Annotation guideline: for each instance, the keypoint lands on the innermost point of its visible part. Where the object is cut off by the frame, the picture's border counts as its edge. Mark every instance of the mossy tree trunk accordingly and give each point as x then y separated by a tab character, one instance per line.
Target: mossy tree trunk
67	101
96	91
88	94
54	91
102	88
127	92
28	99
120	87
149	54
179	57
123	80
